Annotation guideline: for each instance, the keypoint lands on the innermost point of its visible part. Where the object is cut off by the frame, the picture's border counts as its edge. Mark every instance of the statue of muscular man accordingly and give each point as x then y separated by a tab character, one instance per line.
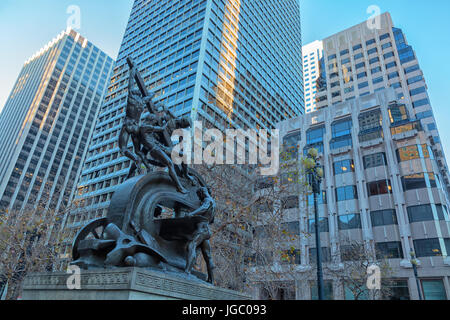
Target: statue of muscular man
130	128
202	234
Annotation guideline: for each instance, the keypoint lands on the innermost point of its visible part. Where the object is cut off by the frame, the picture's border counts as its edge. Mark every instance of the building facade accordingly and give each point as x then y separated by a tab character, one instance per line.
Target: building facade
382	187
48	120
369	57
312	55
221	62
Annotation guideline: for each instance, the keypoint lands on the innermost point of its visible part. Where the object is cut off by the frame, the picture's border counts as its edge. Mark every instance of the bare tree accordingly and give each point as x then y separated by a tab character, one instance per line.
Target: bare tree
351	269
30	241
256	232
26	246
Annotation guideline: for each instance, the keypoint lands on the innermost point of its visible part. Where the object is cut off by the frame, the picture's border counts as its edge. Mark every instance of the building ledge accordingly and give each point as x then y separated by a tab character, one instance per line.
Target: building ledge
405	135
407	263
341	150
371	143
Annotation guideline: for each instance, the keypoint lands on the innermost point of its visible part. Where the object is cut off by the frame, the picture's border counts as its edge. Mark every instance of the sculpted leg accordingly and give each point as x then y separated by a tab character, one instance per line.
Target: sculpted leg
124	136
206	252
162	156
191	255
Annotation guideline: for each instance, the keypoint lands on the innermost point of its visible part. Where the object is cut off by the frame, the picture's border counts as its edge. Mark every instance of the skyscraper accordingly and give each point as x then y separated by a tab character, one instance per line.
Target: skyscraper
312	55
381	190
367	58
47	122
226	63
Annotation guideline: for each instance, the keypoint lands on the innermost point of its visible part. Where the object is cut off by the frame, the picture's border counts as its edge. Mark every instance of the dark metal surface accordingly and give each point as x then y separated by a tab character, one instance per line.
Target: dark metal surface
133	233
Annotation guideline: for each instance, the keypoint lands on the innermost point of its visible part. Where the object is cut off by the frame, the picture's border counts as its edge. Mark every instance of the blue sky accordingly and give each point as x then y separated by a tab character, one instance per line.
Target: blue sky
27	25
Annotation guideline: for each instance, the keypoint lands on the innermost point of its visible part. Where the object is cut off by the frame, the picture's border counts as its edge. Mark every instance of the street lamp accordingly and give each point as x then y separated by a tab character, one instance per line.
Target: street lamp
414	265
314	173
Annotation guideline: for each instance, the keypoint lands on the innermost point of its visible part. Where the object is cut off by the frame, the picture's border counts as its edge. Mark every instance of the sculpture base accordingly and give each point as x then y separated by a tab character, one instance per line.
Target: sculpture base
124	284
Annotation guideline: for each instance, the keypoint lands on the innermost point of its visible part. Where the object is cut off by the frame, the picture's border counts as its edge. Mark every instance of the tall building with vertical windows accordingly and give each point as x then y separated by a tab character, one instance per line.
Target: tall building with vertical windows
48	120
312	55
367	58
228	63
382	189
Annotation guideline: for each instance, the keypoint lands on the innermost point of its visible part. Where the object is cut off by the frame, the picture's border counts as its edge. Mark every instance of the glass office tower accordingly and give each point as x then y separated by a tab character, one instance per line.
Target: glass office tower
230	64
48	120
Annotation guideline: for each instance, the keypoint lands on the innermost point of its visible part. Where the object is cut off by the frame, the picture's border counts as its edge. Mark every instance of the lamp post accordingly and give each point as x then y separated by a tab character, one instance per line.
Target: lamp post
414	265
315	173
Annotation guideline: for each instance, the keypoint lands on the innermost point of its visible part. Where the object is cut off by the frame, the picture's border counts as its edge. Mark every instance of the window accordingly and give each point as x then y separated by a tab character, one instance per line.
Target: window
291	227
420	103
315	135
416	125
374	60
406	55
335	94
425	213
264	183
360	65
363	85
412	69
377	80
417	91
374	160
393	75
442	212
341	142
398	113
383	218
326	255
373	50
349	221
290	202
375	70
413	152
391	65
427	247
343	52
349	89
388	55
414	181
433	289
320	199
369	42
414	79
346	193
384	36
389	250
357	47
361	75
341	128
344	166
386	45
331	57
290	142
398	290
323	225
379	187
359	56
396	85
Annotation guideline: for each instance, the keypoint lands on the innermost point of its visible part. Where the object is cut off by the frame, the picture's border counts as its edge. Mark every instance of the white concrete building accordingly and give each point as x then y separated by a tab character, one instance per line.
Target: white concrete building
369	57
382	187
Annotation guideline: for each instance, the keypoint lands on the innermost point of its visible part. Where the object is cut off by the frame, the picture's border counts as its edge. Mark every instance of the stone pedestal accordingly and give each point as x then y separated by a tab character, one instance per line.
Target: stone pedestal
124	284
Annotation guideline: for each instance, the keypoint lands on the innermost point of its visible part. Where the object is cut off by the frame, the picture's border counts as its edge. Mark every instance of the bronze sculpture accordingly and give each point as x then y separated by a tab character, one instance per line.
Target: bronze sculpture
133	233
